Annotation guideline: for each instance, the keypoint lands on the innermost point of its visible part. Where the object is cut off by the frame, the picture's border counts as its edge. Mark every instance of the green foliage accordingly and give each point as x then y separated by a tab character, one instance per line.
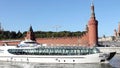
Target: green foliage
10	35
39	34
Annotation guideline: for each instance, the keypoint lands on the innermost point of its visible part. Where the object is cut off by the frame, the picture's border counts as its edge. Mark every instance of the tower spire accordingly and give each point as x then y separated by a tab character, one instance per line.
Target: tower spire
92	10
0	26
92	2
30	34
30	29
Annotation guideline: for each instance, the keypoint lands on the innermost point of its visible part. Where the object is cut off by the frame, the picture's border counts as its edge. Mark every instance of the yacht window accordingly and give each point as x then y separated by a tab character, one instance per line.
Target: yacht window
73	60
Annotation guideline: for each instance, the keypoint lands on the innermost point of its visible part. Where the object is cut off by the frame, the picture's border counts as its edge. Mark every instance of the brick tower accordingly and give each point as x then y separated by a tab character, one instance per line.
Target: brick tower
93	28
118	33
30	34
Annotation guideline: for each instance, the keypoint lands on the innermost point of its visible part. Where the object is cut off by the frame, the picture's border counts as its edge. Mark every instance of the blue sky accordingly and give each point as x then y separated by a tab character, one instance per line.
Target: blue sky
69	15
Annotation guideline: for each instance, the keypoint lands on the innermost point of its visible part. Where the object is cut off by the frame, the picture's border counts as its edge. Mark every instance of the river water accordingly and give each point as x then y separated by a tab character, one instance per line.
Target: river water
114	63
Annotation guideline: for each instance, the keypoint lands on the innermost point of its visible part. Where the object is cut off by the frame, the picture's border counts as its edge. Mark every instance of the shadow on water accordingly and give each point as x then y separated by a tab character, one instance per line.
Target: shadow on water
114	63
74	66
37	65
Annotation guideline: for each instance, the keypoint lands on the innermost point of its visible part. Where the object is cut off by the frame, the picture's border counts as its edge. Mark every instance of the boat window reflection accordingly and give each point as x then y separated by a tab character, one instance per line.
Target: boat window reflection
63	50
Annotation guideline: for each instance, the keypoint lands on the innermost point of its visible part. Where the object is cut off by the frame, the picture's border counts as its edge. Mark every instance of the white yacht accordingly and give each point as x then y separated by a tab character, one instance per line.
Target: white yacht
30	51
28	43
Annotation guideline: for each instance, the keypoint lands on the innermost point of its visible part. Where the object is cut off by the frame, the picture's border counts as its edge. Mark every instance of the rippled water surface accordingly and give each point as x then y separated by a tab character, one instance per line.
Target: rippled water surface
114	63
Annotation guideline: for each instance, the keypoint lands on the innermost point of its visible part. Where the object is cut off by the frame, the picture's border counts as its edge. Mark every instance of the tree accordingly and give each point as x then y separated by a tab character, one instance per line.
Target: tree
13	35
5	34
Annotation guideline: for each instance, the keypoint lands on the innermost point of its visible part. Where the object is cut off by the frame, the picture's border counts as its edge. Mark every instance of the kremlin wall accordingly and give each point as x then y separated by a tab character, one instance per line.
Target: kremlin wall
89	38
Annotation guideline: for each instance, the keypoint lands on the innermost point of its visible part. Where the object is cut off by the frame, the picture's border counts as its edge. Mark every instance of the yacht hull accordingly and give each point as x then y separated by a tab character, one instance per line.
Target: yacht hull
92	58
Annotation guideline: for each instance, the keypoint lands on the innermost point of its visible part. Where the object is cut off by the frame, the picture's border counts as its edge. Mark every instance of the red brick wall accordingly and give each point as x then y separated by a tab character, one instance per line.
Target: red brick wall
84	40
9	43
66	41
59	41
74	41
